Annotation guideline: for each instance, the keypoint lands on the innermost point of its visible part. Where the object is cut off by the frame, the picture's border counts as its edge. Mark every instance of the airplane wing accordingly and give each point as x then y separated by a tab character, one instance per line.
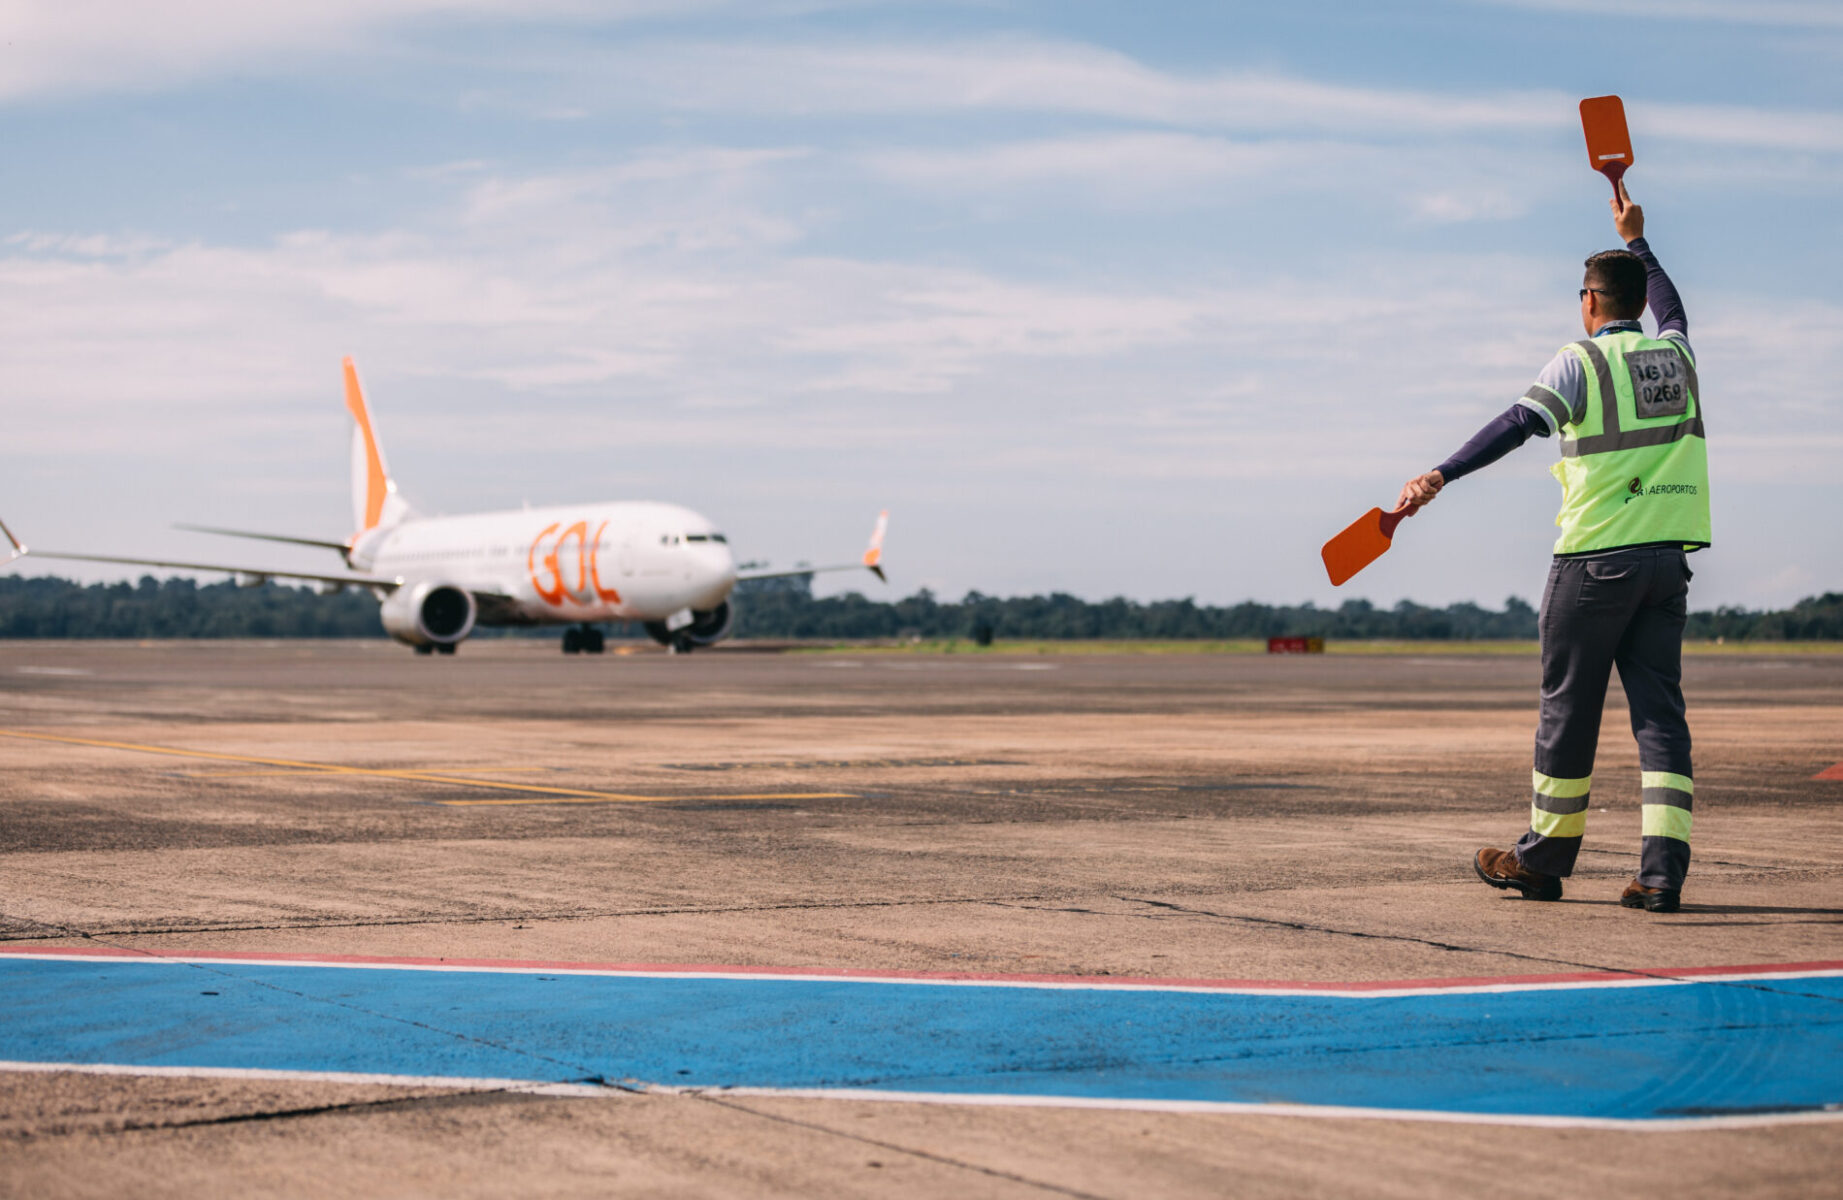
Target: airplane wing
498	607
267	537
17	550
871	561
257	574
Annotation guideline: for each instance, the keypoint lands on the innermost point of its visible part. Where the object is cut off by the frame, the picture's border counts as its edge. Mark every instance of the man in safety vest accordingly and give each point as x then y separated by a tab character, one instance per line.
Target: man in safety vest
1635	497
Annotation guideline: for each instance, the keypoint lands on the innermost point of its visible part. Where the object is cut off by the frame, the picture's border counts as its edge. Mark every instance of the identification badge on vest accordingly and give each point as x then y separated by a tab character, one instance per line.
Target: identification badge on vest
1660	383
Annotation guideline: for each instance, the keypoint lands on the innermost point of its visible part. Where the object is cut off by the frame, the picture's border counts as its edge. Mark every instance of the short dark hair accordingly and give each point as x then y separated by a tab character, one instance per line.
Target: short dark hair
1619	277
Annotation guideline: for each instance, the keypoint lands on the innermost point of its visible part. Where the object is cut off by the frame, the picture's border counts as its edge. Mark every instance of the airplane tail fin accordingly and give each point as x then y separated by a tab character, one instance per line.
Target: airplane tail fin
375	502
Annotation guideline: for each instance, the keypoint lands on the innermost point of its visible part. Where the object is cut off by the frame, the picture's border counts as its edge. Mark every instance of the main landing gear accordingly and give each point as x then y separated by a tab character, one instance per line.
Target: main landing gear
583	639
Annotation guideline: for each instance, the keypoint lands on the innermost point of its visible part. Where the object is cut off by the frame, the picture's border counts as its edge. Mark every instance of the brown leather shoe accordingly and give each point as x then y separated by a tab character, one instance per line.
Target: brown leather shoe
1502	869
1637	895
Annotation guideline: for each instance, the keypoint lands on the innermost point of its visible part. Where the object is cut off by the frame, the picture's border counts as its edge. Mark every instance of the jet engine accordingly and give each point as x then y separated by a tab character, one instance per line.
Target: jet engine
705	629
429	615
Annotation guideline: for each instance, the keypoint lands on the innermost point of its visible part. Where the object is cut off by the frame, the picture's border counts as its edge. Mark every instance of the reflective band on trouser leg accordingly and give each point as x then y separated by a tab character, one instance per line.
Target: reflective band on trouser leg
1569	824
1664	860
1557	822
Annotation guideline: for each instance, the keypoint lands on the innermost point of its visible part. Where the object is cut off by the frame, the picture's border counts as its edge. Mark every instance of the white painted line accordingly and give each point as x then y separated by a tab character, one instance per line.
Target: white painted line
534	1087
1657	979
531	1087
1322	1111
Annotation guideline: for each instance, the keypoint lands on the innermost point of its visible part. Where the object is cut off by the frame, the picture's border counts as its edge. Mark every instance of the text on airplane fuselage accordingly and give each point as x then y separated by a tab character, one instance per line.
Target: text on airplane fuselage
544	561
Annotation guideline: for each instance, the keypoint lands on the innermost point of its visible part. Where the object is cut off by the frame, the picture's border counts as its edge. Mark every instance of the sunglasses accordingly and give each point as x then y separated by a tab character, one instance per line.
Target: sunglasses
1584	291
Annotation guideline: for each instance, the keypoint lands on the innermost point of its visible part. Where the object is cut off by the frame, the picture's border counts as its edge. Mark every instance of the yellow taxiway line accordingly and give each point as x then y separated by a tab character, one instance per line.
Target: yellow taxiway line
561	795
298	772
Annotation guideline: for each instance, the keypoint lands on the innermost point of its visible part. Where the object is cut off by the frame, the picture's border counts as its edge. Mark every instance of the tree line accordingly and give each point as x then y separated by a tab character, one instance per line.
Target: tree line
49	607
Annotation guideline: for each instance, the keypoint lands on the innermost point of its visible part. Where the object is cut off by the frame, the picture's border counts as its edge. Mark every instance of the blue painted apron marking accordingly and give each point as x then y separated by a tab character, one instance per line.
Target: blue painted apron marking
1647	1052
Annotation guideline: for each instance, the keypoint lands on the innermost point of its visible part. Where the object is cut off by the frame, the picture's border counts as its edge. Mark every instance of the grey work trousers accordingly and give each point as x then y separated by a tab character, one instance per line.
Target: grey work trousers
1625	609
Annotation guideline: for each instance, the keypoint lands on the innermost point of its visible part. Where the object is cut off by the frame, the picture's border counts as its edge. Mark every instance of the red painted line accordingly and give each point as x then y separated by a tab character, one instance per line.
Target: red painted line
1462	981
1835	772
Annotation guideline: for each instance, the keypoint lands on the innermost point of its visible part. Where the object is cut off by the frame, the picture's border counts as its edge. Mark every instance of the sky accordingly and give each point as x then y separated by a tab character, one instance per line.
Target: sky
1138	299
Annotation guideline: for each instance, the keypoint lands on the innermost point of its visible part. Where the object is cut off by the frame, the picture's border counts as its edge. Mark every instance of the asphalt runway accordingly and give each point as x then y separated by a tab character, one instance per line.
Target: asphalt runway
330	919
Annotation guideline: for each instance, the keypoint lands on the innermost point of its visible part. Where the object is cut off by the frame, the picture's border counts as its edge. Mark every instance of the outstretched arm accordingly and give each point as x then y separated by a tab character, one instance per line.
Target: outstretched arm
1504	433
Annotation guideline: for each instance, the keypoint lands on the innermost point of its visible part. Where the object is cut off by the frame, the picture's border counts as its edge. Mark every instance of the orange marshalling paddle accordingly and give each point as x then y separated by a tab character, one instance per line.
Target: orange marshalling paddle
1365	540
1609	146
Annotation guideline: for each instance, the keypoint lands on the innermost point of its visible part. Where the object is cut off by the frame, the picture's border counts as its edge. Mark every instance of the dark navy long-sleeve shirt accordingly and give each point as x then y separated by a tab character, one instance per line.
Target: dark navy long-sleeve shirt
1562	385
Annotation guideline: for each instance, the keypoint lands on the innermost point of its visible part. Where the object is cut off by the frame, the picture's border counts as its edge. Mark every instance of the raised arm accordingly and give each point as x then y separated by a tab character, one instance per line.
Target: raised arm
1660	293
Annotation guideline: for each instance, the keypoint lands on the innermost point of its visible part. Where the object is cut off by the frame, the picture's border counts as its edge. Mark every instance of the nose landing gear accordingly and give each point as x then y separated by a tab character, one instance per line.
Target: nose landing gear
583	639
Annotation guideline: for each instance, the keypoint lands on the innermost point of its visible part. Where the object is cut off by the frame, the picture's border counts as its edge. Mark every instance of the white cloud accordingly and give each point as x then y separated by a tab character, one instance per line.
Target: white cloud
677	283
665	322
1161	170
89	45
1124	165
1794	14
66	46
1033	76
1018	75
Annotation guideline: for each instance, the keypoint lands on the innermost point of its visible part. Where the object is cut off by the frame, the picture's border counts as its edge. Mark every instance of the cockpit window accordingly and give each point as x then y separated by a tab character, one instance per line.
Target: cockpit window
706	537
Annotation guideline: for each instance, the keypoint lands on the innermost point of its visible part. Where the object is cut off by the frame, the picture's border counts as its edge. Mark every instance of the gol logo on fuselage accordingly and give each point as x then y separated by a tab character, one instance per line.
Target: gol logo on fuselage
546	566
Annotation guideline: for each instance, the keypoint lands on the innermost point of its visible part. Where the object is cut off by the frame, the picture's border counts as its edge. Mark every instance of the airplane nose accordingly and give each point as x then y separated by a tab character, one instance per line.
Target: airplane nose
713	576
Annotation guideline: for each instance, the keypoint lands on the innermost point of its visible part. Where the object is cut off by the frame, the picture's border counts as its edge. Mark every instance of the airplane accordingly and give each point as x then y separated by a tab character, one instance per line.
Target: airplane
440	578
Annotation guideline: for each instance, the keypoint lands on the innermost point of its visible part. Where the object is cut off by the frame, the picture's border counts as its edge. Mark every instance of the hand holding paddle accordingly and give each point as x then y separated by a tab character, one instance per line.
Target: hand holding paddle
1628	218
1369	537
1419	490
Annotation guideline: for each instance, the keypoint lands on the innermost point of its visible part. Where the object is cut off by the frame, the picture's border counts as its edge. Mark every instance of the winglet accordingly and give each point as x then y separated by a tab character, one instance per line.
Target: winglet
873	557
16	549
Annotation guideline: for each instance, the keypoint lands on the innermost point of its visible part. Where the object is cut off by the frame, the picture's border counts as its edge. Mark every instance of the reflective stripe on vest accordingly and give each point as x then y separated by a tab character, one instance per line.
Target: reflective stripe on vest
1629	478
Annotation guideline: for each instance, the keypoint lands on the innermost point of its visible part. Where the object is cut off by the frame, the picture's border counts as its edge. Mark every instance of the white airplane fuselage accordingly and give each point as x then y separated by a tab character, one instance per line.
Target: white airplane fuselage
617	561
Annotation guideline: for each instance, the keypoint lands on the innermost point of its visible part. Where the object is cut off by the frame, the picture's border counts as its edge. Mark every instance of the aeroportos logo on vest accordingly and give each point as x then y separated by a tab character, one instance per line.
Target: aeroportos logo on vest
1637	488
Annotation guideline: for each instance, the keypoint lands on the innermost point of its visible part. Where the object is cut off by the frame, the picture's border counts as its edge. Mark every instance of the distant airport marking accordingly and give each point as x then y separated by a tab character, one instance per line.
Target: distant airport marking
235	773
600	798
53	671
1730	1046
1835	772
822	764
553	795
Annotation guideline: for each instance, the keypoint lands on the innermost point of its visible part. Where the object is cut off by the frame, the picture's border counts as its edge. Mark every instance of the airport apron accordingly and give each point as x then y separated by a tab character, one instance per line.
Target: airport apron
1635	498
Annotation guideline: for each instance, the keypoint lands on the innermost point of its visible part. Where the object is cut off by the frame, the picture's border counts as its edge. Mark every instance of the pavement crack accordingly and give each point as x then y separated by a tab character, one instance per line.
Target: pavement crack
1662	974
501	918
394	1103
897	1148
1307	927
